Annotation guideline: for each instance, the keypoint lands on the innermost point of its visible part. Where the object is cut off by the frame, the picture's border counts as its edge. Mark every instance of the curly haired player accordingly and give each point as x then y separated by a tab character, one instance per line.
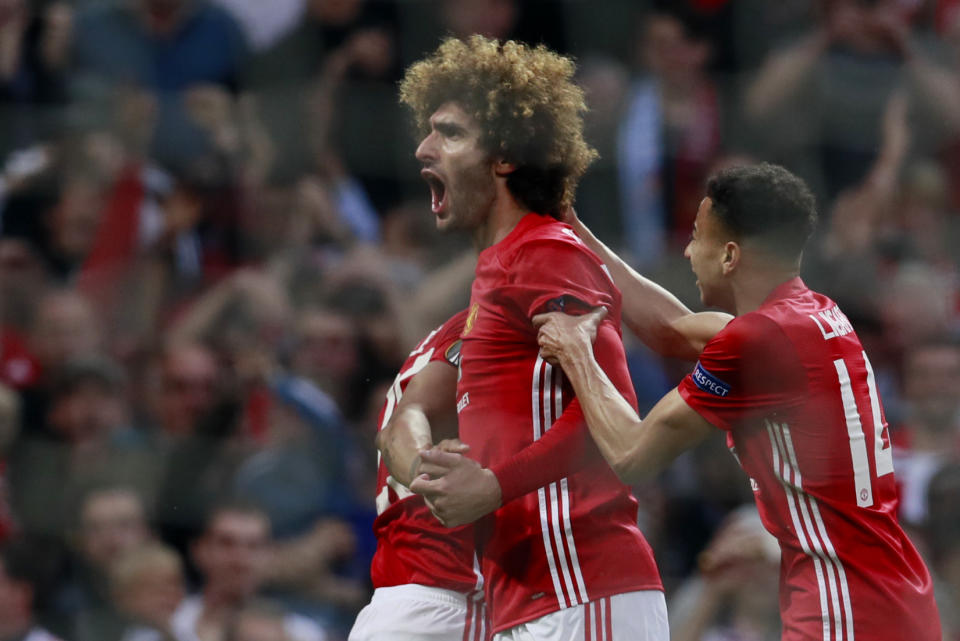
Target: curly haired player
502	151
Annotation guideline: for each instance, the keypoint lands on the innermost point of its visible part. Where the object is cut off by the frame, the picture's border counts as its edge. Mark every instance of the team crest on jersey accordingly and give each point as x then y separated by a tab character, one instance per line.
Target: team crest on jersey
471	318
453	353
708	382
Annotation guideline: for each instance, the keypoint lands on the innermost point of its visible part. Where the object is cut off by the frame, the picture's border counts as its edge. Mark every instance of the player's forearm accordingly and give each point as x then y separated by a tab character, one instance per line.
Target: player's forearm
612	422
939	88
656	316
563	450
782	75
400	443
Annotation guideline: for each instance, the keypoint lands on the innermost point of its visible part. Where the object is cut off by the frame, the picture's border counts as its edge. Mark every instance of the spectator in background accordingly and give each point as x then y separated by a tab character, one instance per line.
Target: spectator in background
232	555
326	350
734	596
929	435
197	411
669	136
172	48
22	587
65	327
942	529
825	94
86	438
33	60
147	584
111	521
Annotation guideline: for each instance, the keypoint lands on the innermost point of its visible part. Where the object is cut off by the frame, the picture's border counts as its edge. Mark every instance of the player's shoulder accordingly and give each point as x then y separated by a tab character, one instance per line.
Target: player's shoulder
456	323
545	238
756	330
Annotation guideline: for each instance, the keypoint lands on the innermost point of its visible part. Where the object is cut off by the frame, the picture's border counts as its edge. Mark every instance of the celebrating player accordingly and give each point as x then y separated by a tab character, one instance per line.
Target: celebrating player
502	152
790	384
426	578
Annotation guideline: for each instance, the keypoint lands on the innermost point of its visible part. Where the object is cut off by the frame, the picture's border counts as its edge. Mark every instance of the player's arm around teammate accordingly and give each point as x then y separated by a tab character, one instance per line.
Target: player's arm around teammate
656	316
635	449
425	412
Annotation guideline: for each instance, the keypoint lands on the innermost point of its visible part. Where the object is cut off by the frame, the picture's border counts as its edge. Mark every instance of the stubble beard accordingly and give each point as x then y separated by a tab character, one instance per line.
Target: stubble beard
471	200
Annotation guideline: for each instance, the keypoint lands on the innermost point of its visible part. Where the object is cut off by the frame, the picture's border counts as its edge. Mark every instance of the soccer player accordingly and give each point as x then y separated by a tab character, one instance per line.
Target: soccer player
502	150
790	384
427	581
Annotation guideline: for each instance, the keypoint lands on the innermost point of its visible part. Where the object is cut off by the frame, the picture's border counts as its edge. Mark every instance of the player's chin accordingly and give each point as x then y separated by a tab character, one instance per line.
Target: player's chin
445	222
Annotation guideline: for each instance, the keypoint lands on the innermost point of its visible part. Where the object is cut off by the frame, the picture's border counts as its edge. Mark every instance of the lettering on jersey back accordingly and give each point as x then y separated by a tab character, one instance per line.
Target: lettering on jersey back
835	319
708	382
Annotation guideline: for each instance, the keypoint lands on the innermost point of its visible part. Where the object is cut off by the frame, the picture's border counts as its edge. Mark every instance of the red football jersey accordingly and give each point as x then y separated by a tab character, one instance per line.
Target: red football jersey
576	539
793	387
412	545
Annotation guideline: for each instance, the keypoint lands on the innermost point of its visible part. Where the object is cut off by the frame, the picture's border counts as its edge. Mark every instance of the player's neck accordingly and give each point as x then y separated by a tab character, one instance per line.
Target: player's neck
505	213
752	287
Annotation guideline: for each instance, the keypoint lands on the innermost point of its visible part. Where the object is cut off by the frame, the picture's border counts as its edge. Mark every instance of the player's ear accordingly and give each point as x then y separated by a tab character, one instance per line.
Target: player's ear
503	168
732	253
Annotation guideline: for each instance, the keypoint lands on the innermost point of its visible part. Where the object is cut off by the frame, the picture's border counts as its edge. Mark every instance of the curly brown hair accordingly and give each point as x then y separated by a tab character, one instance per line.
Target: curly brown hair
525	100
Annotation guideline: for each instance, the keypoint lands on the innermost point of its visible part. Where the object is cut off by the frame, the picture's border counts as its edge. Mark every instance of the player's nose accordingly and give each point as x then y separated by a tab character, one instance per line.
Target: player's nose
426	150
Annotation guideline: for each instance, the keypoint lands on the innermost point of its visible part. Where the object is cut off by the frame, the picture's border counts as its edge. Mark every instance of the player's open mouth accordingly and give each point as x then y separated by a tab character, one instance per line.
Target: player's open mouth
438	190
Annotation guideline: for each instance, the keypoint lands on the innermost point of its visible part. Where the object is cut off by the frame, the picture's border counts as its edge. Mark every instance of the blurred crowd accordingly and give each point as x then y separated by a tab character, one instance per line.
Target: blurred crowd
216	251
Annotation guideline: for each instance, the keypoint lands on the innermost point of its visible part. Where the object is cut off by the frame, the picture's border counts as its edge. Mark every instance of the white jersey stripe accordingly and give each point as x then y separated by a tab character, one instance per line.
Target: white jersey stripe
541	493
858	440
469	633
565	499
844	586
557	536
571	545
549	415
826	550
779	468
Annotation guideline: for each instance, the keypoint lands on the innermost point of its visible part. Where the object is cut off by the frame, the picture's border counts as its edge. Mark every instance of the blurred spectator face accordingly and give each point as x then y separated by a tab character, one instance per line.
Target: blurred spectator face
112	523
189	376
65	328
326	346
73	222
668	52
148	584
931	378
232	553
490	18
89	410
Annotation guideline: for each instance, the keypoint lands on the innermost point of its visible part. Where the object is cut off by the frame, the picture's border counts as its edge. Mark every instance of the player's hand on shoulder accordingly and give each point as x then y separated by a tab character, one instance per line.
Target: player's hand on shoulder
561	335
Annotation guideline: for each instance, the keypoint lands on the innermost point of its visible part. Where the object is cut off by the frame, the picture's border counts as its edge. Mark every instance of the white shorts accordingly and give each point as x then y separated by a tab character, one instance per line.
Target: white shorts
631	616
411	612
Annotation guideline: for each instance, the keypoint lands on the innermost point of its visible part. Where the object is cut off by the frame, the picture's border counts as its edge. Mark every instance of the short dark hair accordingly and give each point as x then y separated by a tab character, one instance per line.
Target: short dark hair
234	505
767	203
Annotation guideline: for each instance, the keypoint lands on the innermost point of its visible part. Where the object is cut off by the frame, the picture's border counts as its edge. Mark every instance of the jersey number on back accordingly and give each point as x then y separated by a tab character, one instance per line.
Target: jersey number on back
883	455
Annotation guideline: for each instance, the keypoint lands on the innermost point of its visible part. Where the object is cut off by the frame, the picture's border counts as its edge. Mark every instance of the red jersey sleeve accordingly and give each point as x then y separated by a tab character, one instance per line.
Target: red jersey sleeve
750	368
552	275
